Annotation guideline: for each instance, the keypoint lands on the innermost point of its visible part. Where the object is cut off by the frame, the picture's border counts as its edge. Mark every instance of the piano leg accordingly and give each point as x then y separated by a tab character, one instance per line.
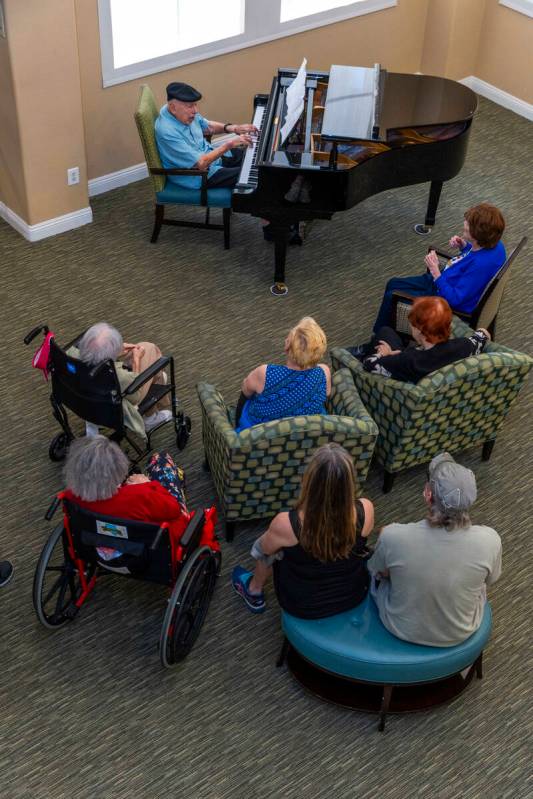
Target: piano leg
431	212
281	239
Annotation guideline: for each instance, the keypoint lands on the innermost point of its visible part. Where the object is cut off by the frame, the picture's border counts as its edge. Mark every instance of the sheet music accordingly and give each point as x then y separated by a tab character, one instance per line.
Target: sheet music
295	96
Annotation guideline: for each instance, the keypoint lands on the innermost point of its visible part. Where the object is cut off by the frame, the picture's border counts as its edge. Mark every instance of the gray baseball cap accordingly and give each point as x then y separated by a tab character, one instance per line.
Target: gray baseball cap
453	486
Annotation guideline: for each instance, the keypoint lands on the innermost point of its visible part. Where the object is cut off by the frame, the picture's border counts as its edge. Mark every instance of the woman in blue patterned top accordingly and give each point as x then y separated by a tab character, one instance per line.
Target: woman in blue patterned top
299	388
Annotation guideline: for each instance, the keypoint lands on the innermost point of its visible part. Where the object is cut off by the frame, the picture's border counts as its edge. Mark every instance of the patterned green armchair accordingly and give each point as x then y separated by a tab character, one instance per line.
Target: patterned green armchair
451	409
257	472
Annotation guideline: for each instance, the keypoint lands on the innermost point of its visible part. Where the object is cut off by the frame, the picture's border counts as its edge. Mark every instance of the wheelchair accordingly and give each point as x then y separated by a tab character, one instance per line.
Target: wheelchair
93	393
78	550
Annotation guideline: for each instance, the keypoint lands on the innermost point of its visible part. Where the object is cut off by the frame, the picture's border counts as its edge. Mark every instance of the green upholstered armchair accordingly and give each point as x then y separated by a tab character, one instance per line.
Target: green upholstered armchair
451	409
168	193
257	473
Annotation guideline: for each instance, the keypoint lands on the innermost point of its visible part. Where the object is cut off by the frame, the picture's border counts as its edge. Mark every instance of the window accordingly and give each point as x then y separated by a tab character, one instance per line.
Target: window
140	37
523	6
294	9
175	26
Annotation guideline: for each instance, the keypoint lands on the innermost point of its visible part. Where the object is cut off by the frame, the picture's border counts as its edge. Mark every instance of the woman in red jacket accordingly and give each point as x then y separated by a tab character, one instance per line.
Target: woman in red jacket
96	473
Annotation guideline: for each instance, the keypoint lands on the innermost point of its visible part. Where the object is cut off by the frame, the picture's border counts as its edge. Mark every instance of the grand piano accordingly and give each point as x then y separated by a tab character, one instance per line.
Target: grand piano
361	131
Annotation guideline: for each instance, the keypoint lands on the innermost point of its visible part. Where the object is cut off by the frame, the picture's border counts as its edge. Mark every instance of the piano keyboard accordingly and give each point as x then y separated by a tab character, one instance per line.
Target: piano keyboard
248	176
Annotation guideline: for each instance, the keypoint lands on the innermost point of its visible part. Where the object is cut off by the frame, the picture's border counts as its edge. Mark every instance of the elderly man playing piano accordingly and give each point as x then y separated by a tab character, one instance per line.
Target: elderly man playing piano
181	131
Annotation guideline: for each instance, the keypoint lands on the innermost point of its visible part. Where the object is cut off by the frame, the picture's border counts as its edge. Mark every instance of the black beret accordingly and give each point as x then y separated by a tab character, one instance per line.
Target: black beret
183	92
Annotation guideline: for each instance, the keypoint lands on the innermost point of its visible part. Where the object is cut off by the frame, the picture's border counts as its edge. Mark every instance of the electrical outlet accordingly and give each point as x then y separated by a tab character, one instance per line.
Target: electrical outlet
73	176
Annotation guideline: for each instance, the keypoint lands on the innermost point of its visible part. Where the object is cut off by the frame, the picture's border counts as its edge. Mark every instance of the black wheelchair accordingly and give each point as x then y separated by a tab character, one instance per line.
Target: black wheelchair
93	393
77	552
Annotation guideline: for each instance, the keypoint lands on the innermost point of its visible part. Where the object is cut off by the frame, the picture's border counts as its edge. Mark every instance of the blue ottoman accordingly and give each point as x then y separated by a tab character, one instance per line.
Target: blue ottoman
351	659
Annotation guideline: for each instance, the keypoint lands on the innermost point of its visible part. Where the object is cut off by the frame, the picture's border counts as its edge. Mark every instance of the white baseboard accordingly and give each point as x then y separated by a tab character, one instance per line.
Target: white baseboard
50	227
498	96
116	179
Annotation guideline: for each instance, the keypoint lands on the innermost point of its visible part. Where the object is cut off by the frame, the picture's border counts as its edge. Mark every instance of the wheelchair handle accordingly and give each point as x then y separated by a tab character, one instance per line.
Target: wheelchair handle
35	332
52	509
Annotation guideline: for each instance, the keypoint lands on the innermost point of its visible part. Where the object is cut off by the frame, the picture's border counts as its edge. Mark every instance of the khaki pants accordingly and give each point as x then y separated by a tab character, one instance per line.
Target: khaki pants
151	354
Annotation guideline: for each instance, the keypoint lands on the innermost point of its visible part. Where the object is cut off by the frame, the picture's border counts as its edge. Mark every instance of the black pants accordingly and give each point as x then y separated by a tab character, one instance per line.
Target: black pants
387	334
228	174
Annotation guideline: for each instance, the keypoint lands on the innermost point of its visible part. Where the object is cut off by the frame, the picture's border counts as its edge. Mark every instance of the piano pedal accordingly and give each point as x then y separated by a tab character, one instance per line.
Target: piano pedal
279	289
422	230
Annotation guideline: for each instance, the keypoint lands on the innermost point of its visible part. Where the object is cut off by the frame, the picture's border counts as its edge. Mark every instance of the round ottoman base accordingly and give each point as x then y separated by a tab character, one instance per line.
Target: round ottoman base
368	697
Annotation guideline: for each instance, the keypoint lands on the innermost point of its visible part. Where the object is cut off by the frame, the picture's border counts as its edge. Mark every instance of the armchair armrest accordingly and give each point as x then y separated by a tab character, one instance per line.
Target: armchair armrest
216	414
440	252
341	358
148	374
345	401
155	170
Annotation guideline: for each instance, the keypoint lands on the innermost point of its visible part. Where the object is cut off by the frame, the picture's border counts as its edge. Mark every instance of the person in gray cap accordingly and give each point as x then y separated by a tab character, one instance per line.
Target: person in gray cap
430	577
181	131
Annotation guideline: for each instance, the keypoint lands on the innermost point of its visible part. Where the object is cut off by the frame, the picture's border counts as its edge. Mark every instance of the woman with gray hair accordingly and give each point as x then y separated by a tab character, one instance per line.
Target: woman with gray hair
102	342
96	474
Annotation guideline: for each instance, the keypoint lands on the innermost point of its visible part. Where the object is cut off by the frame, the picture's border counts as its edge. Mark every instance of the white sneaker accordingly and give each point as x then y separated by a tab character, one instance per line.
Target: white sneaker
156	418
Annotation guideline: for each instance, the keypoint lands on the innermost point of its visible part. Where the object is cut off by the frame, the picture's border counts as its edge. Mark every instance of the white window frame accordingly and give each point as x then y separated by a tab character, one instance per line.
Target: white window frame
261	25
522	6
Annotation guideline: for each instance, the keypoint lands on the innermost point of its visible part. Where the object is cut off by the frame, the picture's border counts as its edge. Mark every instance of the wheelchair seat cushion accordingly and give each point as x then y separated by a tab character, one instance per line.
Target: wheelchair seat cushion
355	644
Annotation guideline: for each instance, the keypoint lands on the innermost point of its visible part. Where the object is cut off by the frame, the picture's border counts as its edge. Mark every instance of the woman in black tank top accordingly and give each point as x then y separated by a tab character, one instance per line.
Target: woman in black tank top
318	550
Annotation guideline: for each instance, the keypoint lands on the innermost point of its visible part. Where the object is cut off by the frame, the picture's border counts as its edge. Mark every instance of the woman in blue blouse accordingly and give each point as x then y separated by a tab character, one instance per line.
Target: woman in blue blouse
299	388
463	279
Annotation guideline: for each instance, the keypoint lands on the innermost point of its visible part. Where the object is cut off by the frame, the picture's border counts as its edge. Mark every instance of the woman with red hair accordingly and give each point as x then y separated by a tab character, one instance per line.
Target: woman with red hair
430	320
463	278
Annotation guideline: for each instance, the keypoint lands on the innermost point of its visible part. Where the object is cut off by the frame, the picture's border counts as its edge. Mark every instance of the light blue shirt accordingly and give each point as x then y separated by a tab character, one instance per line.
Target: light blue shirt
182	145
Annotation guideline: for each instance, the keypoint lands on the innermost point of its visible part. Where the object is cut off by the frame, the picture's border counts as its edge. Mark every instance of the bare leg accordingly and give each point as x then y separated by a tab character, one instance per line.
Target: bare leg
261	574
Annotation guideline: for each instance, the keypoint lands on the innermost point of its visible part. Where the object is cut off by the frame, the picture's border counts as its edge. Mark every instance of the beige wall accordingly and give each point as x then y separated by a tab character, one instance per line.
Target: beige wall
12	185
393	37
44	60
505	57
451	38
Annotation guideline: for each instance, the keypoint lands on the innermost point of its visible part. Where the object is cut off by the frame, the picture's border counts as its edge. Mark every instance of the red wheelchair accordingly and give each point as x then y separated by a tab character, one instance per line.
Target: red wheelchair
87	545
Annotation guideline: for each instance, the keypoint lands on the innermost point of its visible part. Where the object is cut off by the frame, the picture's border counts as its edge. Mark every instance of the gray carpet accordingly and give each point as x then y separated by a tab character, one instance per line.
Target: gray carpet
87	712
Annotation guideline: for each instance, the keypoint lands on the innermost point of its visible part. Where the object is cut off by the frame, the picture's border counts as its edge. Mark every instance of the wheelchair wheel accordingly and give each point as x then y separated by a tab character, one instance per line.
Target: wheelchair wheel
187	606
183	431
56	584
58	447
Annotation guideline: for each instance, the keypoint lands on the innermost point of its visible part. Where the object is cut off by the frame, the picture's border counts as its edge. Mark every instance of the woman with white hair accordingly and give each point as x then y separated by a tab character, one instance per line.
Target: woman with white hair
298	388
103	342
96	474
